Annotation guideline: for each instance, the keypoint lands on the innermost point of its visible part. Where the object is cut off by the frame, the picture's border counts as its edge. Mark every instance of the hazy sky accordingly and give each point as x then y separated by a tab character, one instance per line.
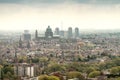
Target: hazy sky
38	14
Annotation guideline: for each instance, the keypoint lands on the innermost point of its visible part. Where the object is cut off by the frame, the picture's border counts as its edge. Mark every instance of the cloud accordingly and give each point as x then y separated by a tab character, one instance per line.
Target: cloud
30	13
62	1
32	1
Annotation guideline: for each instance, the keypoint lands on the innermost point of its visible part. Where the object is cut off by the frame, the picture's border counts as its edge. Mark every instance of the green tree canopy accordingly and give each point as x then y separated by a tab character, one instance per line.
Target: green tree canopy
94	74
115	70
55	67
1	66
45	77
89	70
75	74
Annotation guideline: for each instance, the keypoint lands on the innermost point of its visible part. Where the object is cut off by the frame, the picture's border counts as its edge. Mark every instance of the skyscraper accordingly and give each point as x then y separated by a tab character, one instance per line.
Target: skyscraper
57	31
76	32
70	33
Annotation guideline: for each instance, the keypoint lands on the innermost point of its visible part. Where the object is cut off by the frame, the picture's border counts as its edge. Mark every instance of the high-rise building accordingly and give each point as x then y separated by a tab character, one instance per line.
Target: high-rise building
76	32
57	31
26	35
70	33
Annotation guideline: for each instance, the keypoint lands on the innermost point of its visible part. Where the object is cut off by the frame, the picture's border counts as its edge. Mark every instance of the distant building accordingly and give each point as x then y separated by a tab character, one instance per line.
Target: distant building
70	33
32	78
20	43
62	34
76	32
48	35
26	35
28	45
57	31
24	70
66	34
36	34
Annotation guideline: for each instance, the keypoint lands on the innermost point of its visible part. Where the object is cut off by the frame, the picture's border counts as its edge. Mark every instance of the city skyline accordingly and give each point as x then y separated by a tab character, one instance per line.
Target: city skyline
38	14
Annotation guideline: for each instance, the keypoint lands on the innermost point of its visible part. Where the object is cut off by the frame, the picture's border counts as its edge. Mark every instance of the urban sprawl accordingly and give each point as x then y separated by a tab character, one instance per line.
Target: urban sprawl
60	55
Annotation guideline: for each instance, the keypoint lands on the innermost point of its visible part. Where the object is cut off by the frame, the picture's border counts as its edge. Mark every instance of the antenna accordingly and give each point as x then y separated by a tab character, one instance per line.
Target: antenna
61	25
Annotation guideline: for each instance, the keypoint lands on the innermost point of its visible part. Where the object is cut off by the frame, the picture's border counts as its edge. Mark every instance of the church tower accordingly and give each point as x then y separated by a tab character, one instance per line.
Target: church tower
20	43
36	34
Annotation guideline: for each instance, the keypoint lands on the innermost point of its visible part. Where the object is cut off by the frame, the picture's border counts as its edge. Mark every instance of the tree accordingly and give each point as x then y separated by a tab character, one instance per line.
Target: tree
117	78
94	74
89	70
117	61
8	72
44	60
53	78
115	70
7	69
58	74
45	77
75	74
55	67
1	66
35	60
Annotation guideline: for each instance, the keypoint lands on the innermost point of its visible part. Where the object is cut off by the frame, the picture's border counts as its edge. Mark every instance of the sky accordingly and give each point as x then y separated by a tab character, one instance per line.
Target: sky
38	14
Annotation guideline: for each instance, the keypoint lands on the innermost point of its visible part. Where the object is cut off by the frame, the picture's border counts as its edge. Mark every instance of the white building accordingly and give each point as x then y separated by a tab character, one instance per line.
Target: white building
24	70
33	78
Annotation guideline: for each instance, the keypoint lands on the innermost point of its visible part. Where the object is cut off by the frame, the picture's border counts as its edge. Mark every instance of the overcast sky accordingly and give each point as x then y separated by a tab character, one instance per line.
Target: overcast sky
38	14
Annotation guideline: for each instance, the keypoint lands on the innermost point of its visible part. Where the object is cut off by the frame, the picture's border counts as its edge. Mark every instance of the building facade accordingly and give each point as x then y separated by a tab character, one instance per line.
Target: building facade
24	70
57	31
76	32
48	35
70	33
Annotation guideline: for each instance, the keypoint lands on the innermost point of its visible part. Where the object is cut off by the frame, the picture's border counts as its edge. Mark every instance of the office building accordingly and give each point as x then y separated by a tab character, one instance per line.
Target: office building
70	33
76	32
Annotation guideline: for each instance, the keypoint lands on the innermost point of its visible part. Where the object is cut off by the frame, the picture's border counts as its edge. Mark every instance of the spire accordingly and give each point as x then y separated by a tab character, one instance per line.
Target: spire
15	55
36	34
16	61
20	43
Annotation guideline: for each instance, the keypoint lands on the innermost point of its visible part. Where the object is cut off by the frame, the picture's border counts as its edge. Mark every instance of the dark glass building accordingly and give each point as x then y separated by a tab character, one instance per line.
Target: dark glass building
76	32
70	33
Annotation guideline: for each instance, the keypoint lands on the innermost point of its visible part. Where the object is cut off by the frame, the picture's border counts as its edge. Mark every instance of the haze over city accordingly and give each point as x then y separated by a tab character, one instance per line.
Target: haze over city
59	39
38	14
